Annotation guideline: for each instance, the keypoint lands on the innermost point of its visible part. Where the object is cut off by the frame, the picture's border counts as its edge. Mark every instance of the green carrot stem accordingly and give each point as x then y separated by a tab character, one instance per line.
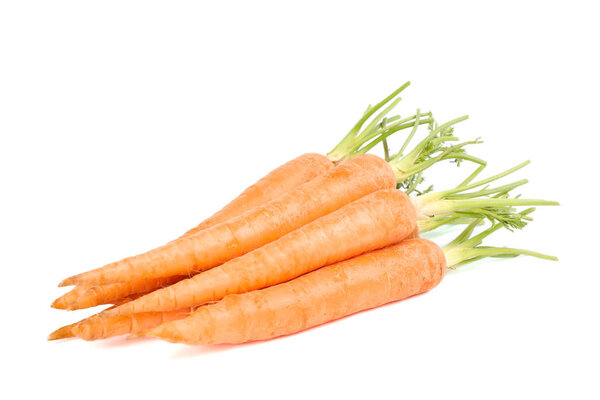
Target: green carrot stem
466	249
411	134
353	139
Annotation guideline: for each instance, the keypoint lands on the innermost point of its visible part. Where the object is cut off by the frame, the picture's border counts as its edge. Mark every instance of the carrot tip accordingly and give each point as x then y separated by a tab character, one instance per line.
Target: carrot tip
61	333
67	282
59	304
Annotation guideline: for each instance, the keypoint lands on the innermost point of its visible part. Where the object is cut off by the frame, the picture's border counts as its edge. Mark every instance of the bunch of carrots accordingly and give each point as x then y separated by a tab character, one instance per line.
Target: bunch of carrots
318	238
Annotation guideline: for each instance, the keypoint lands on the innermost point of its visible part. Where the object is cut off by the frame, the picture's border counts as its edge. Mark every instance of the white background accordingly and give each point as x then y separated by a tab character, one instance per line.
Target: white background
125	123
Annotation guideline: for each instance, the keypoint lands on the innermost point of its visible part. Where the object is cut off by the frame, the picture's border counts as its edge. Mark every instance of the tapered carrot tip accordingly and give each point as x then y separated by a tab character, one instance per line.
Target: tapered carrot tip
70	281
61	333
60	304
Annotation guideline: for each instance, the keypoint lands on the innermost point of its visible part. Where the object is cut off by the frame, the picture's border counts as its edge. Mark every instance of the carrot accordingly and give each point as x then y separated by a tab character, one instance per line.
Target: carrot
281	180
294	173
372	222
406	269
100	327
64	332
348	181
91	296
275	214
67	330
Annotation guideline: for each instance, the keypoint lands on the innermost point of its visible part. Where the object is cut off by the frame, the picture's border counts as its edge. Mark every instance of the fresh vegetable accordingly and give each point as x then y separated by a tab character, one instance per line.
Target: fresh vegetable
377	220
408	268
99	327
231	233
67	330
91	296
348	181
294	173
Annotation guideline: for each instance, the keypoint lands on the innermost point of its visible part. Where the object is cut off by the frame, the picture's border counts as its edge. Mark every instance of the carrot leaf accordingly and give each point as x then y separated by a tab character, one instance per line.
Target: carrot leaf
467	248
488	203
378	127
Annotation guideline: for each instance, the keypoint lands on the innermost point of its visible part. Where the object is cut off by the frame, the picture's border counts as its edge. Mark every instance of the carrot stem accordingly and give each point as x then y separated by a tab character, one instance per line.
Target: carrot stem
358	142
489	203
466	249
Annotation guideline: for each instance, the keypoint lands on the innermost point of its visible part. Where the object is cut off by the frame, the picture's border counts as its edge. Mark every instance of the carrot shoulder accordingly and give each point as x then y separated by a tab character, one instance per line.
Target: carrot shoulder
372	222
370	280
349	181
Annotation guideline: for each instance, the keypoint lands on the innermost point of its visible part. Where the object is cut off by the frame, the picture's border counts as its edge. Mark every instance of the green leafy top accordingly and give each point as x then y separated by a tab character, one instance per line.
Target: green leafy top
378	127
467	248
438	208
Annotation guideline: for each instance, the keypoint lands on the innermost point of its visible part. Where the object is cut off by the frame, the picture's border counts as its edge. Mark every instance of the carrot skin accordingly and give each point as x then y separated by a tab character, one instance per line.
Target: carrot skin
91	296
281	180
349	181
64	332
100	327
275	184
394	273
372	222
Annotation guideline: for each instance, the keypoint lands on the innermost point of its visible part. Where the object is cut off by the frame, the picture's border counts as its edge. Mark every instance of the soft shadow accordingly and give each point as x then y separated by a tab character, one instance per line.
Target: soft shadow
189	351
119	341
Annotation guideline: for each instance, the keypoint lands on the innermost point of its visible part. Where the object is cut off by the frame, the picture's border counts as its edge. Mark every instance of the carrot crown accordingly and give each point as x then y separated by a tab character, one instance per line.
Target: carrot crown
448	206
467	248
363	138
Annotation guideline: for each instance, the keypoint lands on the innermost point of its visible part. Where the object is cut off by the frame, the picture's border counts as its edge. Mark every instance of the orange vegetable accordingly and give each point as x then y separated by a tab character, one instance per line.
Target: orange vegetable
370	280
101	327
372	222
281	180
210	247
308	166
67	330
394	273
91	296
285	179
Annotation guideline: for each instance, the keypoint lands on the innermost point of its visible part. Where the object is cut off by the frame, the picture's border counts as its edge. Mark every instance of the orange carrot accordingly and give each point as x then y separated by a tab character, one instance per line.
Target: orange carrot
208	248
91	296
100	327
305	168
367	281
406	269
278	182
285	179
64	332
348	181
67	330
372	222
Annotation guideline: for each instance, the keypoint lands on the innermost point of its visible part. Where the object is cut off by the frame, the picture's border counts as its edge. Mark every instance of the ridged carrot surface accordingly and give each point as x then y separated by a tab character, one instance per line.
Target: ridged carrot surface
367	281
100	327
281	180
348	181
91	296
67	330
372	222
